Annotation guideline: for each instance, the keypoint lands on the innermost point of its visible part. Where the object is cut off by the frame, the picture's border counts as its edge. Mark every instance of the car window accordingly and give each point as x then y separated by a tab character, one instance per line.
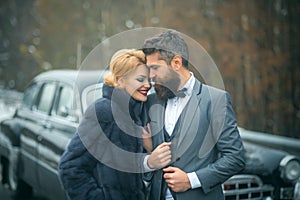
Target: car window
30	95
46	97
90	94
65	105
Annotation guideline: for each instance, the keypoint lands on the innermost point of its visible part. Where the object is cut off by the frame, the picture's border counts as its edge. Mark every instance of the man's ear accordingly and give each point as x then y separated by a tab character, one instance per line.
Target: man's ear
176	62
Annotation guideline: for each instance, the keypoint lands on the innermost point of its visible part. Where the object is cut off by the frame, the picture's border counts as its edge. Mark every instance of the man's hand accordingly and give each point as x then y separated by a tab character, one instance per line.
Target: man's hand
176	179
160	157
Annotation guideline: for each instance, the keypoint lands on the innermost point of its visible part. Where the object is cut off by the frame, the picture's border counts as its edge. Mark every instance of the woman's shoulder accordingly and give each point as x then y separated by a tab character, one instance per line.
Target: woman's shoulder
103	104
102	108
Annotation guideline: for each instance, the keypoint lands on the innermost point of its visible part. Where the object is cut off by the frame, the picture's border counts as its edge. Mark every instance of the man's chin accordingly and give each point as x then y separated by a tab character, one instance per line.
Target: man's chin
162	92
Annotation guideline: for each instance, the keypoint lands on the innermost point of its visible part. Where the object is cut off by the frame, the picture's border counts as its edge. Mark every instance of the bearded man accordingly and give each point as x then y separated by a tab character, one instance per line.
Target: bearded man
197	119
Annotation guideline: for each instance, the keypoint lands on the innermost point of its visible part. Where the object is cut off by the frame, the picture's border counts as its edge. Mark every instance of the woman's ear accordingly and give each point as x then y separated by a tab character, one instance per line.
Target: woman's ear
120	82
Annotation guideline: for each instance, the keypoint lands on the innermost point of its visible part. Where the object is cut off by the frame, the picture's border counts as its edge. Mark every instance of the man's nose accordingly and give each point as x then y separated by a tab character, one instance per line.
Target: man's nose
152	74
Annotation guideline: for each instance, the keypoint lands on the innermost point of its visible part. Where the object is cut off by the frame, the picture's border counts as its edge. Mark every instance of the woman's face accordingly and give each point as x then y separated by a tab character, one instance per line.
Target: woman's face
136	83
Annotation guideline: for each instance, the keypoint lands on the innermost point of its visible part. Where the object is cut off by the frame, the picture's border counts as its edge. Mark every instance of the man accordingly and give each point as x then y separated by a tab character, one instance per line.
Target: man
197	119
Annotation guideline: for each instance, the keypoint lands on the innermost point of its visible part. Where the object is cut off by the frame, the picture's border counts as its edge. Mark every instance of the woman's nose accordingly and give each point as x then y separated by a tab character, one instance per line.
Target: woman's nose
147	84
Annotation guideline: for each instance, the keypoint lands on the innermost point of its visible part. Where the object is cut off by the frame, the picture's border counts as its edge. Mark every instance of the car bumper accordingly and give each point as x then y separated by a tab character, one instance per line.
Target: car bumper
245	186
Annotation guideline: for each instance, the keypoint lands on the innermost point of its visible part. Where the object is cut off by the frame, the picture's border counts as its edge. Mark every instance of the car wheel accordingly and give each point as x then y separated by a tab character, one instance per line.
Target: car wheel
23	191
1	171
4	171
20	188
12	170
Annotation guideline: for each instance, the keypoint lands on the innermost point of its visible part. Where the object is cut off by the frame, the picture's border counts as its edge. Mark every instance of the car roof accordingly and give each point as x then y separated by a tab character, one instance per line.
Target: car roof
80	78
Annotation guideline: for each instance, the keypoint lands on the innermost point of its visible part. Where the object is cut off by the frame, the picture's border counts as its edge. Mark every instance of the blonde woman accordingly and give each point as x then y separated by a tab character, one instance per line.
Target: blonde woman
109	165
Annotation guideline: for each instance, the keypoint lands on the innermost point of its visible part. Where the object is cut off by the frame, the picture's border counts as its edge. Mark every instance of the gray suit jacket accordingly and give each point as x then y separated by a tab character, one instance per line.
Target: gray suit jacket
206	141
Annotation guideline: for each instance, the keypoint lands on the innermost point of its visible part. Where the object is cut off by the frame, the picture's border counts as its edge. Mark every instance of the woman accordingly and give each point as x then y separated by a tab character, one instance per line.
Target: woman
90	168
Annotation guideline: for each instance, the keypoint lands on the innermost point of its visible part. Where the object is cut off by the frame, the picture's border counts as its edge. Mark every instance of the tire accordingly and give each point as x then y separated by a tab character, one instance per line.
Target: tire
12	171
4	171
23	191
1	171
20	189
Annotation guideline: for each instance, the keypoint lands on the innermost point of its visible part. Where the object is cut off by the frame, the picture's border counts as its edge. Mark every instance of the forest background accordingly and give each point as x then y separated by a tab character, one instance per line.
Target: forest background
254	43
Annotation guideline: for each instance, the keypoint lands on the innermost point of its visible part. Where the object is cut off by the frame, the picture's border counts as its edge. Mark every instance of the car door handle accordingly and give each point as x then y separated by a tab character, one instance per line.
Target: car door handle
40	138
47	125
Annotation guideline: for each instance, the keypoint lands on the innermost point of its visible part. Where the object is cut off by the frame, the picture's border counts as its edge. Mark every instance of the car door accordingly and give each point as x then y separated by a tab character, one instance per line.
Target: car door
54	140
33	123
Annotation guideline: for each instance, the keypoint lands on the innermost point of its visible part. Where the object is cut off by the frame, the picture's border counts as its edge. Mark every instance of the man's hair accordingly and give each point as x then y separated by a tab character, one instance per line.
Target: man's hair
168	43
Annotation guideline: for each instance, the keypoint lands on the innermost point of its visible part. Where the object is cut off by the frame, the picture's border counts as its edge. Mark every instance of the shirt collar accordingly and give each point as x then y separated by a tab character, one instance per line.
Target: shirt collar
189	85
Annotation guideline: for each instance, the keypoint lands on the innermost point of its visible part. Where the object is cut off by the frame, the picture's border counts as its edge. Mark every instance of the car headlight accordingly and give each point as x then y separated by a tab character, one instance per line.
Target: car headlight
290	168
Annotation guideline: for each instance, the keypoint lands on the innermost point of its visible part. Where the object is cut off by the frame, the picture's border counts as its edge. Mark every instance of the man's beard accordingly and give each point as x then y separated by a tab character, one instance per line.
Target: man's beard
168	87
163	93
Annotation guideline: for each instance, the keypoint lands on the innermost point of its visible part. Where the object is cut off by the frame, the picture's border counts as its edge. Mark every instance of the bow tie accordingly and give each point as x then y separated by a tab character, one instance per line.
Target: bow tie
181	93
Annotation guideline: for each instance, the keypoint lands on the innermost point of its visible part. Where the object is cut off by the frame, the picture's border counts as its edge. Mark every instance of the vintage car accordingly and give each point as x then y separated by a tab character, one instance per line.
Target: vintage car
270	173
32	141
34	138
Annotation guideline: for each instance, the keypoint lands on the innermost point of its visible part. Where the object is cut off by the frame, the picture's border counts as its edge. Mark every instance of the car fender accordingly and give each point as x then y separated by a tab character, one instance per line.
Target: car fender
262	160
10	130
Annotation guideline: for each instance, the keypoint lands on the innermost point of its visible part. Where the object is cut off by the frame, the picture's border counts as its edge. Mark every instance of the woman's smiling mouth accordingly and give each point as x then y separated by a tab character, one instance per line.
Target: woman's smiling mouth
143	92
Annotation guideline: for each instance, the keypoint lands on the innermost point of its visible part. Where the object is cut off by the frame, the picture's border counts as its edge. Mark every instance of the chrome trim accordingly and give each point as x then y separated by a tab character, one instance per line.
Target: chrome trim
247	187
283	163
297	190
287	193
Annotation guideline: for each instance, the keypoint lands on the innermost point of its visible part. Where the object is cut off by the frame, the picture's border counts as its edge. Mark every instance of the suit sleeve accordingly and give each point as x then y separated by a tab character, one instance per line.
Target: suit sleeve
223	128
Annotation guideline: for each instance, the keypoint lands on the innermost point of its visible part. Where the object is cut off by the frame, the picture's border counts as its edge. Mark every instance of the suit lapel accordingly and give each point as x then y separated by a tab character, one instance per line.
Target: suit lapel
189	122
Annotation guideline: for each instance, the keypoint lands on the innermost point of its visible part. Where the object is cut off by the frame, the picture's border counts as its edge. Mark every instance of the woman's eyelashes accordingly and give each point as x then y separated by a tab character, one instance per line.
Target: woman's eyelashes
140	79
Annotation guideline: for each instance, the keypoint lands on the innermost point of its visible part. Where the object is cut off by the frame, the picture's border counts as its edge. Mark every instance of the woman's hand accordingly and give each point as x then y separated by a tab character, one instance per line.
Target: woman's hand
147	140
160	157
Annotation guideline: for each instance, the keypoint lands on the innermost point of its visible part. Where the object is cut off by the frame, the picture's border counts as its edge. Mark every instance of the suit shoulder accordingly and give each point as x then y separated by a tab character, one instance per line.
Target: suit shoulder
213	94
208	88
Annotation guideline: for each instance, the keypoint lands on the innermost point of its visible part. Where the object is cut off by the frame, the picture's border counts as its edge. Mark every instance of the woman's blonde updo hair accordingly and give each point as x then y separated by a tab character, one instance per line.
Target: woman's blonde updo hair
122	62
